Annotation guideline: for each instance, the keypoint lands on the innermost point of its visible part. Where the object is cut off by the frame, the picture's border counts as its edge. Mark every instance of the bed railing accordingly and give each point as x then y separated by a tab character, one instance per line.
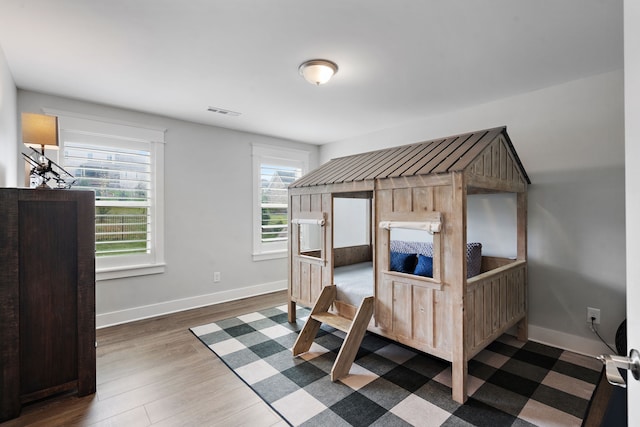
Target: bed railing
495	301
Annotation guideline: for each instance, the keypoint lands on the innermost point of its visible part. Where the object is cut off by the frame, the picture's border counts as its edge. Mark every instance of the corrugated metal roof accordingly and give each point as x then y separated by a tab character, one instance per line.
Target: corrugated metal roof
444	155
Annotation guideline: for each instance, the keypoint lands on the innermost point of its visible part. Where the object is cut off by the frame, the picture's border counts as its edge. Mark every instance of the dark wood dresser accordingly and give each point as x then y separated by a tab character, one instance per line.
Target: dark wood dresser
47	295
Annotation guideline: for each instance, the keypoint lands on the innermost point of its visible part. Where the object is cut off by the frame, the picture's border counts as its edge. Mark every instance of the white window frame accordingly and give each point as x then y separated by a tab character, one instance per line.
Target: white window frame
126	135
278	156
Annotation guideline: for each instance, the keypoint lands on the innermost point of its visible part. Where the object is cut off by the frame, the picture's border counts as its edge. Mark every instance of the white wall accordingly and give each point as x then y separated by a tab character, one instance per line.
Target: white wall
570	139
632	124
208	206
351	222
8	126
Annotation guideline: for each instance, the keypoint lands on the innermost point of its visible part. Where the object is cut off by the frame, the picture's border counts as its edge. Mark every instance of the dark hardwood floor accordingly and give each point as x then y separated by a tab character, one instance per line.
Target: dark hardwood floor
155	372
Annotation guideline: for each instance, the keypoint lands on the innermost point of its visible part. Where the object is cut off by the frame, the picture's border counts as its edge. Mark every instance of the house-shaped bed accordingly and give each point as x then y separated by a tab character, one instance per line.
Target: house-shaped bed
433	290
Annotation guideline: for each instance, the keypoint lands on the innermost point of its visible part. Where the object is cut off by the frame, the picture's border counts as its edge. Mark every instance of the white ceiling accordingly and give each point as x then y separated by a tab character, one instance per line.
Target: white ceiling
399	60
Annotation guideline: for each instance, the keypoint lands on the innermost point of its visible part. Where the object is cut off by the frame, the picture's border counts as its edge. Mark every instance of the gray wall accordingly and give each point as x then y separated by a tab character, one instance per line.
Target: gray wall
208	217
8	124
570	138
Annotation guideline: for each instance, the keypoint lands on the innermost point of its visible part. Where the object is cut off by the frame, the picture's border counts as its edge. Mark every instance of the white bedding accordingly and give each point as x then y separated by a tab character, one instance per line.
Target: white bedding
354	282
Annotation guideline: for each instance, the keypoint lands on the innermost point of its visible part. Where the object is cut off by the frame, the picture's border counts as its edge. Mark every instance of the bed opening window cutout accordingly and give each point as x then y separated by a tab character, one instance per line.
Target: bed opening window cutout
310	236
411	251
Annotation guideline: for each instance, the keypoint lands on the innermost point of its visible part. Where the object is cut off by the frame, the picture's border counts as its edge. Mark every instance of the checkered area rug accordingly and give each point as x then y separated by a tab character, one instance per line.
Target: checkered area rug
510	383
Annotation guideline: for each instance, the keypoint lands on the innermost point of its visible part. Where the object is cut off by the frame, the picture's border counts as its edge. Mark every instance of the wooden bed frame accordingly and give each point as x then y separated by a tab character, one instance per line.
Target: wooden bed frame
447	315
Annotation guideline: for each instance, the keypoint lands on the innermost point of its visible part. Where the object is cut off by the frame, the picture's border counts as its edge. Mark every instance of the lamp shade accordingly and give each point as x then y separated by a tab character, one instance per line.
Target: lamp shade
318	71
39	130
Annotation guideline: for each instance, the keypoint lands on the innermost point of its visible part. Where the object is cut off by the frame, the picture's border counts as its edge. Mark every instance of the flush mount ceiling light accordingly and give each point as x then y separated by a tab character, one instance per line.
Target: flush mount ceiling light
318	71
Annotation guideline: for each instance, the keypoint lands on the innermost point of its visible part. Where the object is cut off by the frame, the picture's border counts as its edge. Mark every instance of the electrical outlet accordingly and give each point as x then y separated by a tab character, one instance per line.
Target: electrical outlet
216	277
593	313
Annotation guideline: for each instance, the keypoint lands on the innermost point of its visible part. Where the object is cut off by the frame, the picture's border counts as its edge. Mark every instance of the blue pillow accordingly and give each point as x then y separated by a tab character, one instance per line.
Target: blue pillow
424	266
404	263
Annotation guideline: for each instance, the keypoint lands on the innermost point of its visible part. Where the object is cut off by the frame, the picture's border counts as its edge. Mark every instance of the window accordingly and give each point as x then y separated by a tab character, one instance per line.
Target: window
123	164
273	170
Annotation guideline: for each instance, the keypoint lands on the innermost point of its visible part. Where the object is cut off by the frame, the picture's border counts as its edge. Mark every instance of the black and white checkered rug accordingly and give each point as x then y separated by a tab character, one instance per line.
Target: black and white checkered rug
510	383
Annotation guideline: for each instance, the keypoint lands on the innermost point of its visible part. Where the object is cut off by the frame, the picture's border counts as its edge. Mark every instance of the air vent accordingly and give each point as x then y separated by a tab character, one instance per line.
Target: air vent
223	111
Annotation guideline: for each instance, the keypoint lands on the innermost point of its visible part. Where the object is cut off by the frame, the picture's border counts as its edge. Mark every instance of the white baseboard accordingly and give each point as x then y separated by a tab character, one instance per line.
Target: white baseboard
566	341
112	318
539	334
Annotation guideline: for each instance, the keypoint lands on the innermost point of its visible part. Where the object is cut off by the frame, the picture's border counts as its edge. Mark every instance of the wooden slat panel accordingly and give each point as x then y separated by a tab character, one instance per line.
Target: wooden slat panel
305	203
382	161
345	187
400	160
337	170
423	199
402	309
442	321
328	173
411	216
451	145
316	281
360	163
423	322
305	283
314	177
384	301
476	150
495	184
495	305
487	303
503	162
419	156
495	159
478	166
413	181
294	274
351	255
437	148
487	163
478	313
465	146
503	301
371	169
402	200
316	203
327	208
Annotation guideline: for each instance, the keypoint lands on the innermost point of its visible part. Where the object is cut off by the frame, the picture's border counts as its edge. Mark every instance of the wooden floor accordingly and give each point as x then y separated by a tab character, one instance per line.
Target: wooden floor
155	372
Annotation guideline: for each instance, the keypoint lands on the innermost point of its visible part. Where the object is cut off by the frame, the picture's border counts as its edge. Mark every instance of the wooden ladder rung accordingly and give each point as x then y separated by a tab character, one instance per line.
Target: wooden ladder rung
338	322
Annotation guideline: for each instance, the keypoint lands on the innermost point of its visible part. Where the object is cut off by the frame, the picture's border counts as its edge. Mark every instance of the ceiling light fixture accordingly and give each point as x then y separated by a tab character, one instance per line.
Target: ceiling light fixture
318	71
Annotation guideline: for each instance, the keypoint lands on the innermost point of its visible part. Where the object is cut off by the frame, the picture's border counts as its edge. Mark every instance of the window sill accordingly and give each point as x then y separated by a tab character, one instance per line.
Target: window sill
263	256
128	271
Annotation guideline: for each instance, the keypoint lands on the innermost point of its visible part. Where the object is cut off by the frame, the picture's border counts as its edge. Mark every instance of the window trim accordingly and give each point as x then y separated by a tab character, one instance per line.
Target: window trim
284	157
95	128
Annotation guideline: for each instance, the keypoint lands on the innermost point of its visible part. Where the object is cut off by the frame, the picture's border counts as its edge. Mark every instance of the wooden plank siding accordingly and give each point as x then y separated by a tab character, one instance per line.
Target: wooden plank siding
309	275
411	309
494	302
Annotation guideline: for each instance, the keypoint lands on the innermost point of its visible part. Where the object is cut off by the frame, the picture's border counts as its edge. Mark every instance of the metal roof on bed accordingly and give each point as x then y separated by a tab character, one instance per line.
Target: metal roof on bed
443	155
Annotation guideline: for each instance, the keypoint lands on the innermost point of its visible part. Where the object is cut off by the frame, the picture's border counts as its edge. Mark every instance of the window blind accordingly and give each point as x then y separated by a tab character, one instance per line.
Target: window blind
121	179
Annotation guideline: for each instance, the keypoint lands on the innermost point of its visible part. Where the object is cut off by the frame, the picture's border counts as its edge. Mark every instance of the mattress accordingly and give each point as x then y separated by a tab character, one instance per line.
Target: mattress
354	282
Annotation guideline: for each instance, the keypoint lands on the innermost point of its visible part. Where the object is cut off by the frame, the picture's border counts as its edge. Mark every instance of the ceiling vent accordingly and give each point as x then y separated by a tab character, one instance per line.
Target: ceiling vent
223	111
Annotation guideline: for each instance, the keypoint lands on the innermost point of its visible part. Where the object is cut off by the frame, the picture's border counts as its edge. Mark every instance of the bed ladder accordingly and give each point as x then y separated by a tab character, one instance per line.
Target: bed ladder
355	330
